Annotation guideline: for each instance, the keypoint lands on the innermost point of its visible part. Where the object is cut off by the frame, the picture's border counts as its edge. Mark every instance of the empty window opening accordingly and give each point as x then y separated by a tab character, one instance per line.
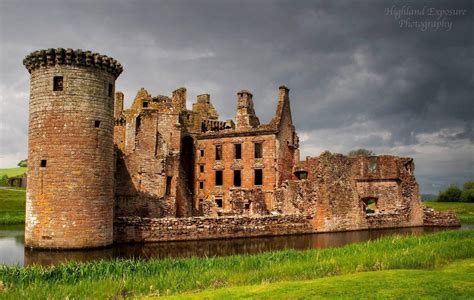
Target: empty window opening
373	164
188	117
201	185
247	206
201	152
43	163
218	178
58	83
218	152
111	90
238	151
145	104
201	168
258	150
237	178
301	175
258	179
369	205
219	202
97	123
168	185
138	123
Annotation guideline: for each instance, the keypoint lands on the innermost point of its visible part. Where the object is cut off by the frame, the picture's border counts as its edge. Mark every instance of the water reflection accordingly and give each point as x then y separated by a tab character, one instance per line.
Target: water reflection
12	249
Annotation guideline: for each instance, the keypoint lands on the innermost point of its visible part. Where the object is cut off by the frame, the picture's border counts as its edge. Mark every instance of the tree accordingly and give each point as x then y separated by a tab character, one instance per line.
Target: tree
23	163
361	152
468	191
452	194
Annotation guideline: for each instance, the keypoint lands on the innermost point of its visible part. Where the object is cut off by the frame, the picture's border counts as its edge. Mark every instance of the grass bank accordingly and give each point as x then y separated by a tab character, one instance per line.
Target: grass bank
464	210
453	281
12	206
172	276
11	172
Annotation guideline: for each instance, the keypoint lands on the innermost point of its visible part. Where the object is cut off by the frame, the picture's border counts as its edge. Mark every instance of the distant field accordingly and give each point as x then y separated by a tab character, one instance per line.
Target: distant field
464	210
12	206
11	172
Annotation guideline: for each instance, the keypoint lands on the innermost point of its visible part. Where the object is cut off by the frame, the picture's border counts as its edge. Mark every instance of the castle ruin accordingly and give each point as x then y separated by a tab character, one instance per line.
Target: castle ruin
158	171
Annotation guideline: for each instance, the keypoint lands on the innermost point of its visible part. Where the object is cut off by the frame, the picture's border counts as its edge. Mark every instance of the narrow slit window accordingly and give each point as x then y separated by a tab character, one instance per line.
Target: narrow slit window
218	178
145	104
97	123
43	163
238	151
201	168
58	83
201	152
218	152
168	185
237	178
111	90
219	202
258	179
258	150
201	185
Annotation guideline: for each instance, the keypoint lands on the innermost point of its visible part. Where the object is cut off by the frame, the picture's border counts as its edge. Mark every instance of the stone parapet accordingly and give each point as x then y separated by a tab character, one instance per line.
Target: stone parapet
51	57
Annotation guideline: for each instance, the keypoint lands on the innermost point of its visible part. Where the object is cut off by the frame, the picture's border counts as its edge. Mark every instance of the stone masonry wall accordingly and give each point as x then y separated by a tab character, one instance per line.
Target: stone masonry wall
133	229
71	154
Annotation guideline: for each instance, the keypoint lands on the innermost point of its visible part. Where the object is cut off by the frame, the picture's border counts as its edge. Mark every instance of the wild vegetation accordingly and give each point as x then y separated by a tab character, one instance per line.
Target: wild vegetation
361	152
455	194
12	206
135	278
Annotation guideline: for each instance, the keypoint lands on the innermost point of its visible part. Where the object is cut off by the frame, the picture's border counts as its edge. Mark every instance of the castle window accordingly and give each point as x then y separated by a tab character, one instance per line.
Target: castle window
258	150
218	178
57	83
247	206
145	104
168	185
97	123
138	123
201	168
218	152
111	90
237	178
43	163
258	178
238	151
201	152
201	185
301	175
219	202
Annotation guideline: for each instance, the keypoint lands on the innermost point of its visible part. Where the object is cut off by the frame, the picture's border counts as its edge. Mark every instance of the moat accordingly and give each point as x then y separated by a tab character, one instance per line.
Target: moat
12	249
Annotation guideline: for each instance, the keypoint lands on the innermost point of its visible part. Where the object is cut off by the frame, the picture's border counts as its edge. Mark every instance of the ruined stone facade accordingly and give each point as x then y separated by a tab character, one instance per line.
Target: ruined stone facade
159	171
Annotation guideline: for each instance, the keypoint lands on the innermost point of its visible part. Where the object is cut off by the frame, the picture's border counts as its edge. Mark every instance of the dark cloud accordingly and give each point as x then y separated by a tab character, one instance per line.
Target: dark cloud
357	78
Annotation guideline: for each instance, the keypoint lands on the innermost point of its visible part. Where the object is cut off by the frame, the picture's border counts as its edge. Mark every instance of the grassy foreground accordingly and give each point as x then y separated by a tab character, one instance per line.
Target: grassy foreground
12	206
464	210
172	276
454	281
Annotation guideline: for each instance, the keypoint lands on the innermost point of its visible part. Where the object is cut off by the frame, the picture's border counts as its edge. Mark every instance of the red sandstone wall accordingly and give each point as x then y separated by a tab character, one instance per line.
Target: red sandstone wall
247	165
70	201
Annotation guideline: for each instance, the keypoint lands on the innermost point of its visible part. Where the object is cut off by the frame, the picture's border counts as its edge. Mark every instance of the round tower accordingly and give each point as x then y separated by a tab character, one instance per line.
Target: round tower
70	193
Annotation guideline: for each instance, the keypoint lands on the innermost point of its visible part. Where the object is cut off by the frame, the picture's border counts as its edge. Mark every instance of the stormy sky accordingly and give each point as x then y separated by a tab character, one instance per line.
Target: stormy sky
391	76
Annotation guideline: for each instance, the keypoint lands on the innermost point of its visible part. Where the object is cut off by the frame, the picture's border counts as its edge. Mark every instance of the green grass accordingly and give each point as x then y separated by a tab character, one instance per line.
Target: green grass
464	210
135	278
453	281
12	172
12	206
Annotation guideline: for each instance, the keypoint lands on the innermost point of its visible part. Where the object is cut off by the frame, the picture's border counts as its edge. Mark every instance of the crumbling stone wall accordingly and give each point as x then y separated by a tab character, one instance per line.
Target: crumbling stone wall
134	229
440	218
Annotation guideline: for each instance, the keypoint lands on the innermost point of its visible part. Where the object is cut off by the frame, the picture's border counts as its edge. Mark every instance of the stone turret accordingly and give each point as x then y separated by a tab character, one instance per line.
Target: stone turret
179	98
245	117
70	193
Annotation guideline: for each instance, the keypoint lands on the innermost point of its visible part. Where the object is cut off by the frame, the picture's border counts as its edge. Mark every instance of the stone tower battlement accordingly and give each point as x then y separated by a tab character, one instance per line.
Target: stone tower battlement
70	193
59	56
